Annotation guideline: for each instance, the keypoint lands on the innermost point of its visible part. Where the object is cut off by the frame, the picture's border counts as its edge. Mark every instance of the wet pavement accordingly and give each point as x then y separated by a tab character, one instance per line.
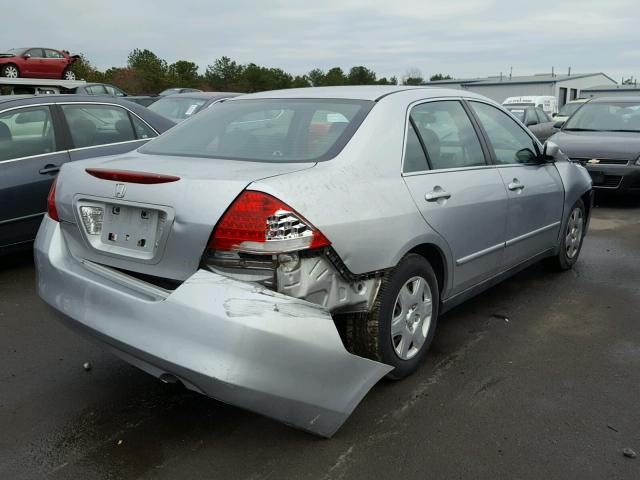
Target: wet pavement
537	378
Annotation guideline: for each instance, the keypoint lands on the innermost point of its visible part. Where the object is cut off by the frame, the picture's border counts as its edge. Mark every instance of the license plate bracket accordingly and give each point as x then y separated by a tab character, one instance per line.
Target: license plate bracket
129	227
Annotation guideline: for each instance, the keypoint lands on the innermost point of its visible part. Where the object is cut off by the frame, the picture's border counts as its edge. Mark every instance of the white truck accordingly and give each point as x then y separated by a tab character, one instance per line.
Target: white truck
548	103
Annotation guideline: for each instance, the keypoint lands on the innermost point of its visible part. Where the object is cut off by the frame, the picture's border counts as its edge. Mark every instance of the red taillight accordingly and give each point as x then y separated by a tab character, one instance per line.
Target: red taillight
51	201
259	223
131	176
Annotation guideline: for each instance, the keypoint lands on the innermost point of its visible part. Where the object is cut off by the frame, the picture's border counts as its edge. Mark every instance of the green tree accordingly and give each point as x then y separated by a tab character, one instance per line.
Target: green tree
150	71
335	76
440	76
316	77
184	74
413	77
224	74
84	70
300	81
361	76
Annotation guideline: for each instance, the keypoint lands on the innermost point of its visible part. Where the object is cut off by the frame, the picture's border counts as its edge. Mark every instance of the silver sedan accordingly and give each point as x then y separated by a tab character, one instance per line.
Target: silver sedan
287	250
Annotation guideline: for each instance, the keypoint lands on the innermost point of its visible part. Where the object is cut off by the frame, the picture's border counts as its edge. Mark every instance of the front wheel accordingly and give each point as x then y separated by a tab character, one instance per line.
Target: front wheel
573	232
10	71
68	75
400	327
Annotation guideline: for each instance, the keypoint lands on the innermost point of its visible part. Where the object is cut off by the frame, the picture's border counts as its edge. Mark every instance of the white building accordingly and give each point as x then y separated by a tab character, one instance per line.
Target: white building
564	87
611	91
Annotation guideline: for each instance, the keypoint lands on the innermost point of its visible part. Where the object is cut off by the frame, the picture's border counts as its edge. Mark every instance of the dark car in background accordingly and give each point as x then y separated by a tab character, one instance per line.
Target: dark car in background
604	135
181	106
106	89
535	119
40	133
37	63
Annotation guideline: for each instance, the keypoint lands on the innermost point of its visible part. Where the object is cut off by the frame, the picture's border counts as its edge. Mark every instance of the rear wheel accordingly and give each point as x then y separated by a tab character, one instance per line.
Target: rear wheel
399	329
10	71
68	75
571	242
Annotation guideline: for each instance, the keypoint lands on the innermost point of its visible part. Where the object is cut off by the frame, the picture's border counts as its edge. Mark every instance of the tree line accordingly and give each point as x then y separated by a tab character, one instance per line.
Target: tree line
146	73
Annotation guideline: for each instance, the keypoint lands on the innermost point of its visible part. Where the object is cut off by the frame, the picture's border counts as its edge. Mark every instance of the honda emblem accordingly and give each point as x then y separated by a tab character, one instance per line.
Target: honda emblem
121	188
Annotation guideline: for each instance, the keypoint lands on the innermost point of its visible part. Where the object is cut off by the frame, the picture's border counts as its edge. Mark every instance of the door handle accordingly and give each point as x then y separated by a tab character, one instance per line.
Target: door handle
436	194
49	168
515	185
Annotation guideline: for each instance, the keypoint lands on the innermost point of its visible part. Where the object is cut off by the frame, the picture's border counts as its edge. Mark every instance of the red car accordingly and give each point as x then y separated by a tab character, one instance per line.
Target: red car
37	63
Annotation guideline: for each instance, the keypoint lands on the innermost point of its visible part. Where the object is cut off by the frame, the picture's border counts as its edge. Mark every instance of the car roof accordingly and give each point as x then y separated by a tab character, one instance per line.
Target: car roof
359	92
616	99
56	98
203	95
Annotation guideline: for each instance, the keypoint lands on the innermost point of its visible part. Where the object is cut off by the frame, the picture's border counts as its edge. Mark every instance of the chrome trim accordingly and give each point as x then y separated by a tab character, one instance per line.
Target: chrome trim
481	253
445	170
26	217
108	144
57	152
532	233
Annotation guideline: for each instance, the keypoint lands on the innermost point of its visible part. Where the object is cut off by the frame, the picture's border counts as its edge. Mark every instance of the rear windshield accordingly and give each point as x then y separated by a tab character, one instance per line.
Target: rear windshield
266	130
177	108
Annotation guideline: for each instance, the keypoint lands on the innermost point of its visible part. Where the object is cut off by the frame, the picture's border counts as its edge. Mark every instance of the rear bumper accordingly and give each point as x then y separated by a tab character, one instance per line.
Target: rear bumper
234	341
615	178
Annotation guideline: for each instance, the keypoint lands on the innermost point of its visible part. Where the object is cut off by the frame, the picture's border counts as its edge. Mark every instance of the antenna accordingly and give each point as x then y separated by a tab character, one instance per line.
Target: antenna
553	72
510	72
569	74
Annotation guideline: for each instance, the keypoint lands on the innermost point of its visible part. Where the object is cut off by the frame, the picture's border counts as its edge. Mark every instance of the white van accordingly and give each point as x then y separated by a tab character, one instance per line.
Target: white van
548	103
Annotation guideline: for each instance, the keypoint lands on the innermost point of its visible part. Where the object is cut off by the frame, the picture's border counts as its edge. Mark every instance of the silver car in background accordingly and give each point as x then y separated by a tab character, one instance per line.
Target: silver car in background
286	250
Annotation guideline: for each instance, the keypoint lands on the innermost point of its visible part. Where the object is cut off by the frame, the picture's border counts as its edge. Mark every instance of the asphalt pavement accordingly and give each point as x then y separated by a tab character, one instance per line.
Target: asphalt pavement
538	378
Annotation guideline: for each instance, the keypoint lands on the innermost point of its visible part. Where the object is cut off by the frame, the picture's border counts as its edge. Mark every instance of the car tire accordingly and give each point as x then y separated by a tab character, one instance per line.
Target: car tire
573	231
68	74
407	305
10	71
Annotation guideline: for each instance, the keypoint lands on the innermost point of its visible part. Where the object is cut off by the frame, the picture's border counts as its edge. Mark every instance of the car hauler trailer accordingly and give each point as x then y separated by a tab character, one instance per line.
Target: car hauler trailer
38	86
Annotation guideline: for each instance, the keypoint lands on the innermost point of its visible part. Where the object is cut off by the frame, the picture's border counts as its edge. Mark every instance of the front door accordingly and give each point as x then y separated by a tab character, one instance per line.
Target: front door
536	192
29	160
459	195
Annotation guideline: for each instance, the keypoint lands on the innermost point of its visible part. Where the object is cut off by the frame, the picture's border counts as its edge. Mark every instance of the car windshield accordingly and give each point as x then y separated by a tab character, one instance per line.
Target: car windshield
569	109
518	113
266	130
177	108
606	117
170	91
16	51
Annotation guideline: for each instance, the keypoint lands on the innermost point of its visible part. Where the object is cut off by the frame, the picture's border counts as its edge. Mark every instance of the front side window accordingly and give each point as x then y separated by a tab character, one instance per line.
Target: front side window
510	143
52	54
448	135
25	132
92	125
35	53
265	130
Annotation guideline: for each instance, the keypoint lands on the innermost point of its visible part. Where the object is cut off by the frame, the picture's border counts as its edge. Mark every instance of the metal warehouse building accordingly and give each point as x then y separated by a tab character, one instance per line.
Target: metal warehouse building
564	87
611	91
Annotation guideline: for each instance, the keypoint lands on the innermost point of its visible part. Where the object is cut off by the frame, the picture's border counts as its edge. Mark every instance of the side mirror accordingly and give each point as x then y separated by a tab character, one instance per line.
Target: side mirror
553	115
559	124
550	151
26	56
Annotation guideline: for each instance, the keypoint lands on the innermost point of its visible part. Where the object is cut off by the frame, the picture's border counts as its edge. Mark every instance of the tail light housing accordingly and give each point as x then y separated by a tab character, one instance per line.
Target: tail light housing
51	201
259	223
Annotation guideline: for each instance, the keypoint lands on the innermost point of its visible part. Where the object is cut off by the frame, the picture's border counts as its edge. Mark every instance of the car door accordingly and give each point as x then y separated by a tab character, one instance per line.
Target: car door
457	192
98	129
54	63
534	187
31	153
34	63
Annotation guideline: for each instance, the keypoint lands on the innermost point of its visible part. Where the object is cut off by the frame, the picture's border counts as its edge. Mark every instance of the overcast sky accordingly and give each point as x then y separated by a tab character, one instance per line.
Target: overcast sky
462	38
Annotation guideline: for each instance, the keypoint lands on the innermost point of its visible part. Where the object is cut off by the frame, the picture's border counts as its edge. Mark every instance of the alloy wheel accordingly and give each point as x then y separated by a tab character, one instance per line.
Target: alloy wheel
10	71
573	235
411	318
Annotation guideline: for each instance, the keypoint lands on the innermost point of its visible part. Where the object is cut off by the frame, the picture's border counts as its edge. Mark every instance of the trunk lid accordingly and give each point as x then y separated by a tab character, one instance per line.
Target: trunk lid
157	229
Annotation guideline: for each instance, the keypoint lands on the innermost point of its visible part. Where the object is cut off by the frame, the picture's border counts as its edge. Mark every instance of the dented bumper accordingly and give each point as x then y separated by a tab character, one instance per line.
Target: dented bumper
231	340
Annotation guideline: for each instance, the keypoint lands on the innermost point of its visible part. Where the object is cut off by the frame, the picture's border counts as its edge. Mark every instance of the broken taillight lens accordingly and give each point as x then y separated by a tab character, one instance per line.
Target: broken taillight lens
257	222
51	201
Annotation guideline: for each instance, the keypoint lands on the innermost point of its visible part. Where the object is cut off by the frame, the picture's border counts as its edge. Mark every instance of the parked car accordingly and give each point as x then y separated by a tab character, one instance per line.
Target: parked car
540	124
569	109
107	90
40	134
548	103
37	63
172	91
229	252
179	107
604	135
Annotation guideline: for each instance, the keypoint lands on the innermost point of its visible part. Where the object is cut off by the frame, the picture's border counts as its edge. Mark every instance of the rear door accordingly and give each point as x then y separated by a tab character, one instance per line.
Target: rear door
54	63
98	129
459	195
536	193
31	153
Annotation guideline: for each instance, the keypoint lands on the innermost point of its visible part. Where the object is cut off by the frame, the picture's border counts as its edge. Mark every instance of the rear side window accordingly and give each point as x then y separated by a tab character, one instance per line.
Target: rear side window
92	125
142	129
96	90
414	157
52	54
25	132
510	142
267	130
448	135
